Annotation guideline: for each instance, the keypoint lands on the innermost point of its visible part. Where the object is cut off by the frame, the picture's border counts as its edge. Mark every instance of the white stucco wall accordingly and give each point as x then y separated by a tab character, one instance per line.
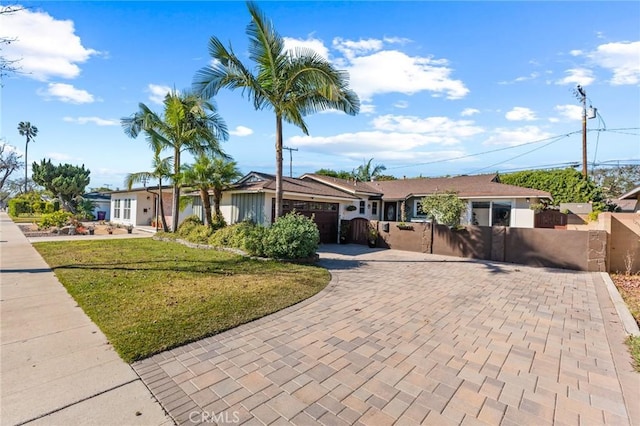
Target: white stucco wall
521	215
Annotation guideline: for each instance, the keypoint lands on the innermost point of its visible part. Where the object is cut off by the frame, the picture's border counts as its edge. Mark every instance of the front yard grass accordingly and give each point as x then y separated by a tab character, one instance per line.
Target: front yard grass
148	296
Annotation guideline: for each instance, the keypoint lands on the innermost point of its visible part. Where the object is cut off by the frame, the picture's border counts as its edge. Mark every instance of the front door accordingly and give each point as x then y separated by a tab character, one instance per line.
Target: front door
390	212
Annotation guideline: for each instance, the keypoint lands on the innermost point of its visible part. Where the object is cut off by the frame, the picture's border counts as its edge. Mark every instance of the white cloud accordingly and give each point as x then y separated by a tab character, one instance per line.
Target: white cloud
441	129
367	108
622	59
520	79
350	48
157	93
518	136
392	71
393	138
67	93
46	47
60	157
310	43
241	131
401	104
521	114
569	112
581	76
575	52
95	120
468	112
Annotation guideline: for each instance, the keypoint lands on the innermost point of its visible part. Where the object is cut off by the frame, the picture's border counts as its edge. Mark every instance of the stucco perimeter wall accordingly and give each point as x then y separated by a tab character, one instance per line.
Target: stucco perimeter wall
577	250
624	241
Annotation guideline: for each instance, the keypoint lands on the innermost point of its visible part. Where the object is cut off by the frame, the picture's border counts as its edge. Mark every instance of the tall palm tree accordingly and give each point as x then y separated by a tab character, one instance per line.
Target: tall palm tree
210	174
367	172
29	132
188	123
161	169
291	83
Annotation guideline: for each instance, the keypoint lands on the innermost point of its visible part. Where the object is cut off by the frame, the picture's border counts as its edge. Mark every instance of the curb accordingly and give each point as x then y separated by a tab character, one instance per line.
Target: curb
628	322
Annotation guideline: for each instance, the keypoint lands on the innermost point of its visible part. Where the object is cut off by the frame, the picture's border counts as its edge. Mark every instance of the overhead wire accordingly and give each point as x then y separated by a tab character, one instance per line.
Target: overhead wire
553	139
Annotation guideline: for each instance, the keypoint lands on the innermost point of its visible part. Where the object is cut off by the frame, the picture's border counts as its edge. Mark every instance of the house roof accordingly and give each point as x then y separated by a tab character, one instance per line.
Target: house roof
631	194
150	188
256	181
477	186
96	196
351	186
626	206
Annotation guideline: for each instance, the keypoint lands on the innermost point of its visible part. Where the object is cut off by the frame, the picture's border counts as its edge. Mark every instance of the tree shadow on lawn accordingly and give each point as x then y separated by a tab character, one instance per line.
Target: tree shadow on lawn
225	267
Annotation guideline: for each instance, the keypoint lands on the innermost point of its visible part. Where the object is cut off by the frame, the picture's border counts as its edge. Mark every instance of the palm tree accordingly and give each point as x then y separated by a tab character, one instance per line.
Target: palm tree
365	172
161	170
29	132
215	174
291	83
189	123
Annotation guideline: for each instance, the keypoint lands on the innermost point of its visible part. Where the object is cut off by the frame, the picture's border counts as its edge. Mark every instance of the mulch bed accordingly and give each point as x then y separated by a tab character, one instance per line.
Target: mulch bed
31	231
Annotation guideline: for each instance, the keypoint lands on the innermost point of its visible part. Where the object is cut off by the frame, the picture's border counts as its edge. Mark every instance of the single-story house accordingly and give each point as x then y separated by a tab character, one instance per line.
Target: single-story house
490	203
630	200
253	198
101	204
140	206
332	200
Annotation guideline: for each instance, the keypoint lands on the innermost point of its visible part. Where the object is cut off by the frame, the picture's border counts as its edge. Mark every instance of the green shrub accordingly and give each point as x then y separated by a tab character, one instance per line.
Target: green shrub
293	236
217	222
59	219
198	234
188	225
230	236
18	206
254	240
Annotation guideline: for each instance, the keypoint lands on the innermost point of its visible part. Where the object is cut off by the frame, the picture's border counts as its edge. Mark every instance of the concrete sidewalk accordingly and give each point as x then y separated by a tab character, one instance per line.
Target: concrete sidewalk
57	368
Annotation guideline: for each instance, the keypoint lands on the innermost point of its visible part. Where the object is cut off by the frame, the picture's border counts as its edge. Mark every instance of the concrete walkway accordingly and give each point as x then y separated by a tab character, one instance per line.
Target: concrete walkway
406	338
57	367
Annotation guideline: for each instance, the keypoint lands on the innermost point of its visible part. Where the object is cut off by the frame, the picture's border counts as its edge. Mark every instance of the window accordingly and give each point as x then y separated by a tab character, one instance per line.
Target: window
417	209
362	206
116	209
501	213
127	209
374	208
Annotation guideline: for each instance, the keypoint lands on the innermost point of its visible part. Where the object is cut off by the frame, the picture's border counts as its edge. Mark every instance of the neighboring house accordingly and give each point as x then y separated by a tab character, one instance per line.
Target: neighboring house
140	206
630	201
102	204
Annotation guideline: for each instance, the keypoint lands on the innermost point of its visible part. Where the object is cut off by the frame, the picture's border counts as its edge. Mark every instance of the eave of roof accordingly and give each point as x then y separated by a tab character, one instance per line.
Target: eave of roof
631	194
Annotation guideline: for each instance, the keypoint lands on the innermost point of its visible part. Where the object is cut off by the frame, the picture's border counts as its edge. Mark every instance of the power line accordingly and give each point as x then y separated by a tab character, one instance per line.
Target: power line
553	138
518	156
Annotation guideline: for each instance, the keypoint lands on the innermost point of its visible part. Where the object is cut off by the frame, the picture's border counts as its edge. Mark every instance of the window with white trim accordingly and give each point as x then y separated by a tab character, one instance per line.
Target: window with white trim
417	209
116	209
127	209
374	208
362	207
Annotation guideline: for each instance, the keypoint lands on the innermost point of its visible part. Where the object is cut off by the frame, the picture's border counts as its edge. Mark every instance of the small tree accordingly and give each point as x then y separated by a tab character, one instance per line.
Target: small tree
446	208
8	164
66	181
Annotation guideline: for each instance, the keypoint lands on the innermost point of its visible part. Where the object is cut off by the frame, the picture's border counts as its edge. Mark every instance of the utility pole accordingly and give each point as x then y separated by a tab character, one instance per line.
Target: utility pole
290	159
583	99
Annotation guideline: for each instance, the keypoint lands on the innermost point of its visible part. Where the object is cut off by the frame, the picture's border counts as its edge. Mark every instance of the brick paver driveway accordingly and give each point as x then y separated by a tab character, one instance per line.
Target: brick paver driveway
406	338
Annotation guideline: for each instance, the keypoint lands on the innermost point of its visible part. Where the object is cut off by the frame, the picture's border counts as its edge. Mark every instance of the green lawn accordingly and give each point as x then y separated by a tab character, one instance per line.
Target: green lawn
148	296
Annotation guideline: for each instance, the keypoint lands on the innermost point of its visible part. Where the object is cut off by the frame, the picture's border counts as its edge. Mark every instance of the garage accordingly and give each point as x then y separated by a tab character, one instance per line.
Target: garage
325	216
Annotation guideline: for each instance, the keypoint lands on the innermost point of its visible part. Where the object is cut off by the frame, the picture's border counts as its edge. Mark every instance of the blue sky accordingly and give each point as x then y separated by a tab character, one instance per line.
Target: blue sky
439	82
